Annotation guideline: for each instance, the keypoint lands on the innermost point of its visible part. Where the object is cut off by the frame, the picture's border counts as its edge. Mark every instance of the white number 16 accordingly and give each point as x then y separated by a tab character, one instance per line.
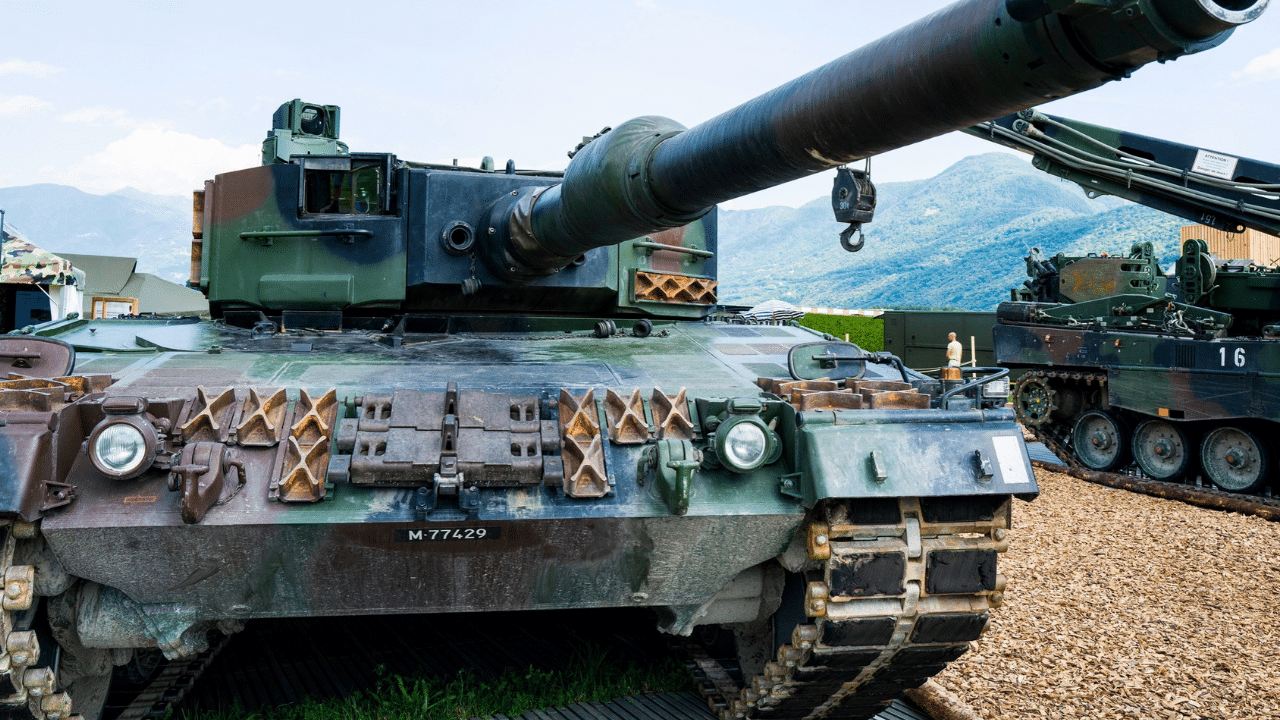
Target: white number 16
1237	357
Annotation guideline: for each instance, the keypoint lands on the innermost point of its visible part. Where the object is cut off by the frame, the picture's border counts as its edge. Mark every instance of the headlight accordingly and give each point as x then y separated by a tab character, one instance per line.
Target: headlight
743	443
122	447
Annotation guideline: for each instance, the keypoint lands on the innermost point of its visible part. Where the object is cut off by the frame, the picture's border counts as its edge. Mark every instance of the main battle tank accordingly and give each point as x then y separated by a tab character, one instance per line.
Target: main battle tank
433	389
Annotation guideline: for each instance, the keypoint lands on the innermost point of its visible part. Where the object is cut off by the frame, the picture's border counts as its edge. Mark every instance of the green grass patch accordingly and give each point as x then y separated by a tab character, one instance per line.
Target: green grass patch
867	333
593	675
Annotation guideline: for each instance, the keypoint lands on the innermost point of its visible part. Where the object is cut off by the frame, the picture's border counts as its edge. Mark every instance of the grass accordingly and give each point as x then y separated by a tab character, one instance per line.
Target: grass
867	333
593	675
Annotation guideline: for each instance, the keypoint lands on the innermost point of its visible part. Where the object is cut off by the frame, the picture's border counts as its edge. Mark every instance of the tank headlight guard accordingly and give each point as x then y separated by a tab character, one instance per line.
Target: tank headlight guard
123	447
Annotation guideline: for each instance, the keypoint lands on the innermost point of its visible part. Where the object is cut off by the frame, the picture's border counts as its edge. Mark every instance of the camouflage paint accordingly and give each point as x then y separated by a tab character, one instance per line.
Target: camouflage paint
413	238
251	557
1173	377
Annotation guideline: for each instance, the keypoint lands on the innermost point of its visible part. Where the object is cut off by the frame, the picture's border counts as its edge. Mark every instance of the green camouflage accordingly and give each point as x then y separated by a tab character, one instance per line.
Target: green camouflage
440	389
22	262
1153	374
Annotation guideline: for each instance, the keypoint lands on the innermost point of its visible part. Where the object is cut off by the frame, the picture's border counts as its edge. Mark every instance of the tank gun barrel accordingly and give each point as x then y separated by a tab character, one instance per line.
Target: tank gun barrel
967	63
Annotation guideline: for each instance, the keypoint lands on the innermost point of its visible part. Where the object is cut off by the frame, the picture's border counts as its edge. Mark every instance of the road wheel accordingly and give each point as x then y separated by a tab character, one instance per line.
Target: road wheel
1101	441
1164	450
1235	459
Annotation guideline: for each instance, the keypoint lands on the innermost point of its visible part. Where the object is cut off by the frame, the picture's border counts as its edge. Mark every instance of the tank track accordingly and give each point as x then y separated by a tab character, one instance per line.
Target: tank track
165	689
855	654
1057	438
31	690
26	688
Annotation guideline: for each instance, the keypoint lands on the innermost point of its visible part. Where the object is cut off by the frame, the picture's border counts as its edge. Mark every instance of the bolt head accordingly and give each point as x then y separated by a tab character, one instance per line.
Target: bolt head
13	589
820	540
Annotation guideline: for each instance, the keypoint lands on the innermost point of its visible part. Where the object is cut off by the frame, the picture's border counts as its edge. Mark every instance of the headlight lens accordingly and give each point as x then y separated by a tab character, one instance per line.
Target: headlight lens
745	446
120	450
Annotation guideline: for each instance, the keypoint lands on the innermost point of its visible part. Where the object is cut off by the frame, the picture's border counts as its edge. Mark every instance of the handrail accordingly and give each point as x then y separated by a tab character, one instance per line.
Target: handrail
267	236
656	246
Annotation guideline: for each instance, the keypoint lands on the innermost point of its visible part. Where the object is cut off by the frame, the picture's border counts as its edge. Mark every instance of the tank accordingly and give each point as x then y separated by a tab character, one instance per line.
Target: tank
435	389
1176	375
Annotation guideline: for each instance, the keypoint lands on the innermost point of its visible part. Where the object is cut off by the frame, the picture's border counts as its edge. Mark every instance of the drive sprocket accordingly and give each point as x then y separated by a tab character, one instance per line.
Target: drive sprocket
1034	399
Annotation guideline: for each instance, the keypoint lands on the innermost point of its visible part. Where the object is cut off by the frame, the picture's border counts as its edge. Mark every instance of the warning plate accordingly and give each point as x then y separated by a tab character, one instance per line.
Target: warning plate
1215	165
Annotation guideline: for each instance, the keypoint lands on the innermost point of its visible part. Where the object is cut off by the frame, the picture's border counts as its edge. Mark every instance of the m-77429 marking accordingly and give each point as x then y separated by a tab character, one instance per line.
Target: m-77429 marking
444	534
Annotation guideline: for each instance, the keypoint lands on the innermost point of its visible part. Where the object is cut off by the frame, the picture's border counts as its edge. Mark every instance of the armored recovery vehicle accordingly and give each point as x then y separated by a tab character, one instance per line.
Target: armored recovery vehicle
1176	374
432	389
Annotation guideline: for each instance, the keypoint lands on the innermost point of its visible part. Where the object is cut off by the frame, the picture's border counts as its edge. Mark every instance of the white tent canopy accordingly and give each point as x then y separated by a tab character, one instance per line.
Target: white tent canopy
774	310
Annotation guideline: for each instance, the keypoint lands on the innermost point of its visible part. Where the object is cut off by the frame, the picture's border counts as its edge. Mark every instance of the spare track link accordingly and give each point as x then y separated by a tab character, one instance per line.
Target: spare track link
855	655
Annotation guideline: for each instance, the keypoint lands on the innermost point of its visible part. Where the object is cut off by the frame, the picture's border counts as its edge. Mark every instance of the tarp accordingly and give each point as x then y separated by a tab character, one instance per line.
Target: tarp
23	262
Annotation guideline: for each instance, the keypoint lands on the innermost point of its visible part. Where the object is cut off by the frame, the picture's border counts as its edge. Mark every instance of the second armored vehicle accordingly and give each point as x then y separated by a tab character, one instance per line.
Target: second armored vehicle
1177	374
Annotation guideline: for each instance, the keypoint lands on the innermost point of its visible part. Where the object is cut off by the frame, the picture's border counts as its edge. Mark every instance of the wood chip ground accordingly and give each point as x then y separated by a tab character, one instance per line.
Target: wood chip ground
1122	605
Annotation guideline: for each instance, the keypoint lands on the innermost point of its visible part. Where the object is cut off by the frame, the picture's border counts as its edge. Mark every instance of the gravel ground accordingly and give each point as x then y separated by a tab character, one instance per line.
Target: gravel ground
1122	605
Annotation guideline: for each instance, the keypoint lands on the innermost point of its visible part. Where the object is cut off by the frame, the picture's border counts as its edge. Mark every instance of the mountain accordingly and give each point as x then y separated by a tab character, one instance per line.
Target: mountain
954	240
156	229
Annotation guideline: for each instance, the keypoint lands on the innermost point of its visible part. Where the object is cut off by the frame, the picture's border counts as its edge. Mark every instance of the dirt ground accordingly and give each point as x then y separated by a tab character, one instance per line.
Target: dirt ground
1121	605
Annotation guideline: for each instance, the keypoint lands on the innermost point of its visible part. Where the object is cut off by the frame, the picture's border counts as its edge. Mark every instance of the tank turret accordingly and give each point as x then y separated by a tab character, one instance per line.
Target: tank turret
628	228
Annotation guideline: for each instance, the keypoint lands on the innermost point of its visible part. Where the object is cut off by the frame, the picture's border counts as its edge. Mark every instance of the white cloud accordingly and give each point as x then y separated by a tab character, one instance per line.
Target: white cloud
14	105
1263	67
97	115
27	67
155	159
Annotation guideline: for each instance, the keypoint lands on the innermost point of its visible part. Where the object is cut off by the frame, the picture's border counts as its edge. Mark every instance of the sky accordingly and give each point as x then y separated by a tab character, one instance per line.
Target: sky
159	95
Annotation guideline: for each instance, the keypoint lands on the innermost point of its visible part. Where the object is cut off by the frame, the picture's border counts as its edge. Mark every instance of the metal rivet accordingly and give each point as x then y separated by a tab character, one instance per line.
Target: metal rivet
1000	534
13	589
821	539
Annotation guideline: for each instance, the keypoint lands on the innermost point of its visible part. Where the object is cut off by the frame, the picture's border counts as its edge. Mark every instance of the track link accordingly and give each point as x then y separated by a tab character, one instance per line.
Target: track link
890	603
